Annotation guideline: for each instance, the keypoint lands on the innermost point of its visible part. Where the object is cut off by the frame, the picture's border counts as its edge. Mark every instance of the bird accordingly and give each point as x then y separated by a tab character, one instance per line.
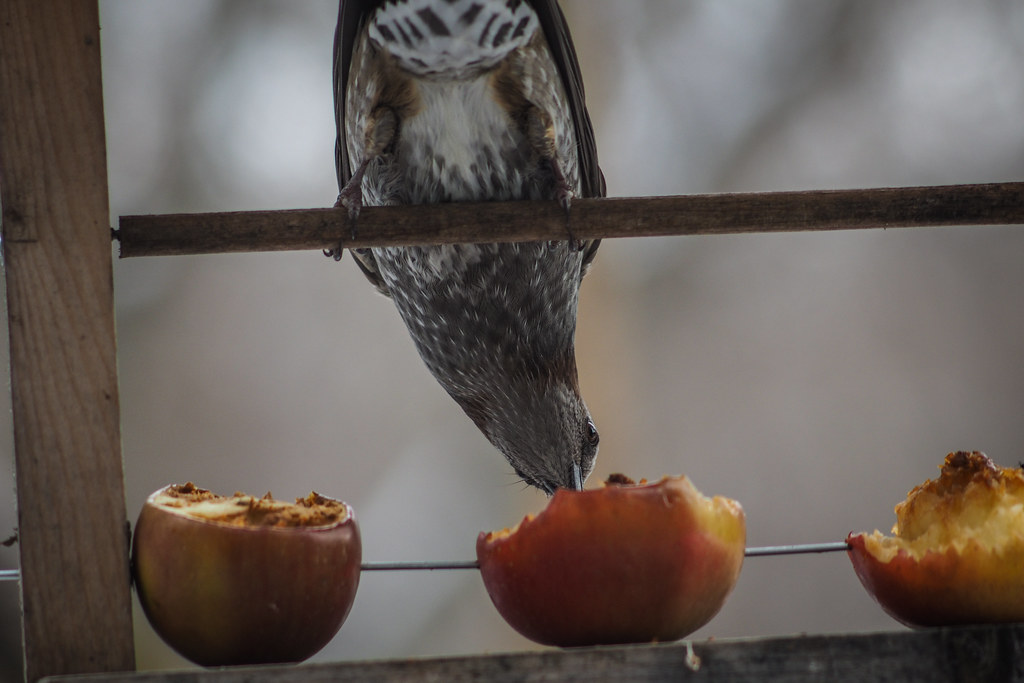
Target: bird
477	100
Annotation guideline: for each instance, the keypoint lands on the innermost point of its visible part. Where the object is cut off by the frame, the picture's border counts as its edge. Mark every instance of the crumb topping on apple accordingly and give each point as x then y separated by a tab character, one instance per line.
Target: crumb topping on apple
244	510
972	503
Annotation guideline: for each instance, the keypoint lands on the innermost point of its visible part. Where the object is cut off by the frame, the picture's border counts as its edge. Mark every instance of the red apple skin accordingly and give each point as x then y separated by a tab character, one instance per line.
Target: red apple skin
620	564
944	587
223	595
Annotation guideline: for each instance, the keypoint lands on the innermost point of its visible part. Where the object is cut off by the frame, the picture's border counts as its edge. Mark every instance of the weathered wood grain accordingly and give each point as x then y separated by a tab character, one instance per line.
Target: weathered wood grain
56	240
989	654
894	207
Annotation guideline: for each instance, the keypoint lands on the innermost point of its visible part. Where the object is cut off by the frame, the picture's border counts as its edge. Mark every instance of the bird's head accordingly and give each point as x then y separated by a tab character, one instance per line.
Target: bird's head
544	430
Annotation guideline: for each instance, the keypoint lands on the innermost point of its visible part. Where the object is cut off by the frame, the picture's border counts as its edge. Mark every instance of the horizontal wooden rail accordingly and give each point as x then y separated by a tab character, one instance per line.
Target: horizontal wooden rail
974	653
714	214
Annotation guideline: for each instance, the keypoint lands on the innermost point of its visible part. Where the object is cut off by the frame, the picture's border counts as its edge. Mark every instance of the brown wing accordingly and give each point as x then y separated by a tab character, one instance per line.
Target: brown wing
351	16
556	31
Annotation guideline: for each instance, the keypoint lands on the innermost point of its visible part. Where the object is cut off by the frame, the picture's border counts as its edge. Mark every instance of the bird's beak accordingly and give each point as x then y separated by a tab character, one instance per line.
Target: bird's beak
577	477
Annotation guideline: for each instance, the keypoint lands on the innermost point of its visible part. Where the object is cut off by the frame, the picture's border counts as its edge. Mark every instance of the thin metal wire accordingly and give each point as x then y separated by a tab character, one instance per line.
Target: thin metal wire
805	548
401	566
762	551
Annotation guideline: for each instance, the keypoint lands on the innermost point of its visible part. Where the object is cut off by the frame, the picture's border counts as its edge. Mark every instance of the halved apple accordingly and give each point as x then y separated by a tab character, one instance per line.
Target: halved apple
245	580
624	563
956	555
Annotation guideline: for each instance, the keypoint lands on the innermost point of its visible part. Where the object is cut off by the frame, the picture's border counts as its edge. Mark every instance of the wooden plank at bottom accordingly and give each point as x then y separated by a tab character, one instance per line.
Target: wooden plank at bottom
977	653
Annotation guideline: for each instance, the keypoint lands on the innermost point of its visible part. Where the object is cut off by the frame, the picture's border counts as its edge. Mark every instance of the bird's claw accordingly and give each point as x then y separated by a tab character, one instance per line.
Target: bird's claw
564	198
563	195
351	198
574	244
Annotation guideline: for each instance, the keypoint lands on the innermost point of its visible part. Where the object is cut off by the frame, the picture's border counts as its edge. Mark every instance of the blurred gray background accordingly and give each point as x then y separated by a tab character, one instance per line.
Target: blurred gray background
814	377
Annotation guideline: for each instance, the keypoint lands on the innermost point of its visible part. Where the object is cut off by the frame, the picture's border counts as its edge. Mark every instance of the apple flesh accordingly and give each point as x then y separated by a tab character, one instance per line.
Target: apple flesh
956	550
621	564
245	580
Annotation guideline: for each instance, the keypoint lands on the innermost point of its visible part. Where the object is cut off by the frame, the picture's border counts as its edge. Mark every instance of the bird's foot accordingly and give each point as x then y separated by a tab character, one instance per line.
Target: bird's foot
350	197
563	195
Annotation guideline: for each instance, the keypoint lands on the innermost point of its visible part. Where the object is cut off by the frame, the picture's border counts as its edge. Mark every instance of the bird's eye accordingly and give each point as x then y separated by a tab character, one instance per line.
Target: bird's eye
590	432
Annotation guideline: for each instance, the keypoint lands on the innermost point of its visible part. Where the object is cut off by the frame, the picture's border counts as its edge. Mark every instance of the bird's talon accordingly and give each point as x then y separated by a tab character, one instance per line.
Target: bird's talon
565	200
351	197
563	195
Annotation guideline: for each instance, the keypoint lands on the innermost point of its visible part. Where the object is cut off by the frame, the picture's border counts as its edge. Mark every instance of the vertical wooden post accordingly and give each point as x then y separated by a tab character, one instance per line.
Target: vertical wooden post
75	589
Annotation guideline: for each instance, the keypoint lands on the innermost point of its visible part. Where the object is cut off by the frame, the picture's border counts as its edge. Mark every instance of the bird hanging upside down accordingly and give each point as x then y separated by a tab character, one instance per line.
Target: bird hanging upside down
477	100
